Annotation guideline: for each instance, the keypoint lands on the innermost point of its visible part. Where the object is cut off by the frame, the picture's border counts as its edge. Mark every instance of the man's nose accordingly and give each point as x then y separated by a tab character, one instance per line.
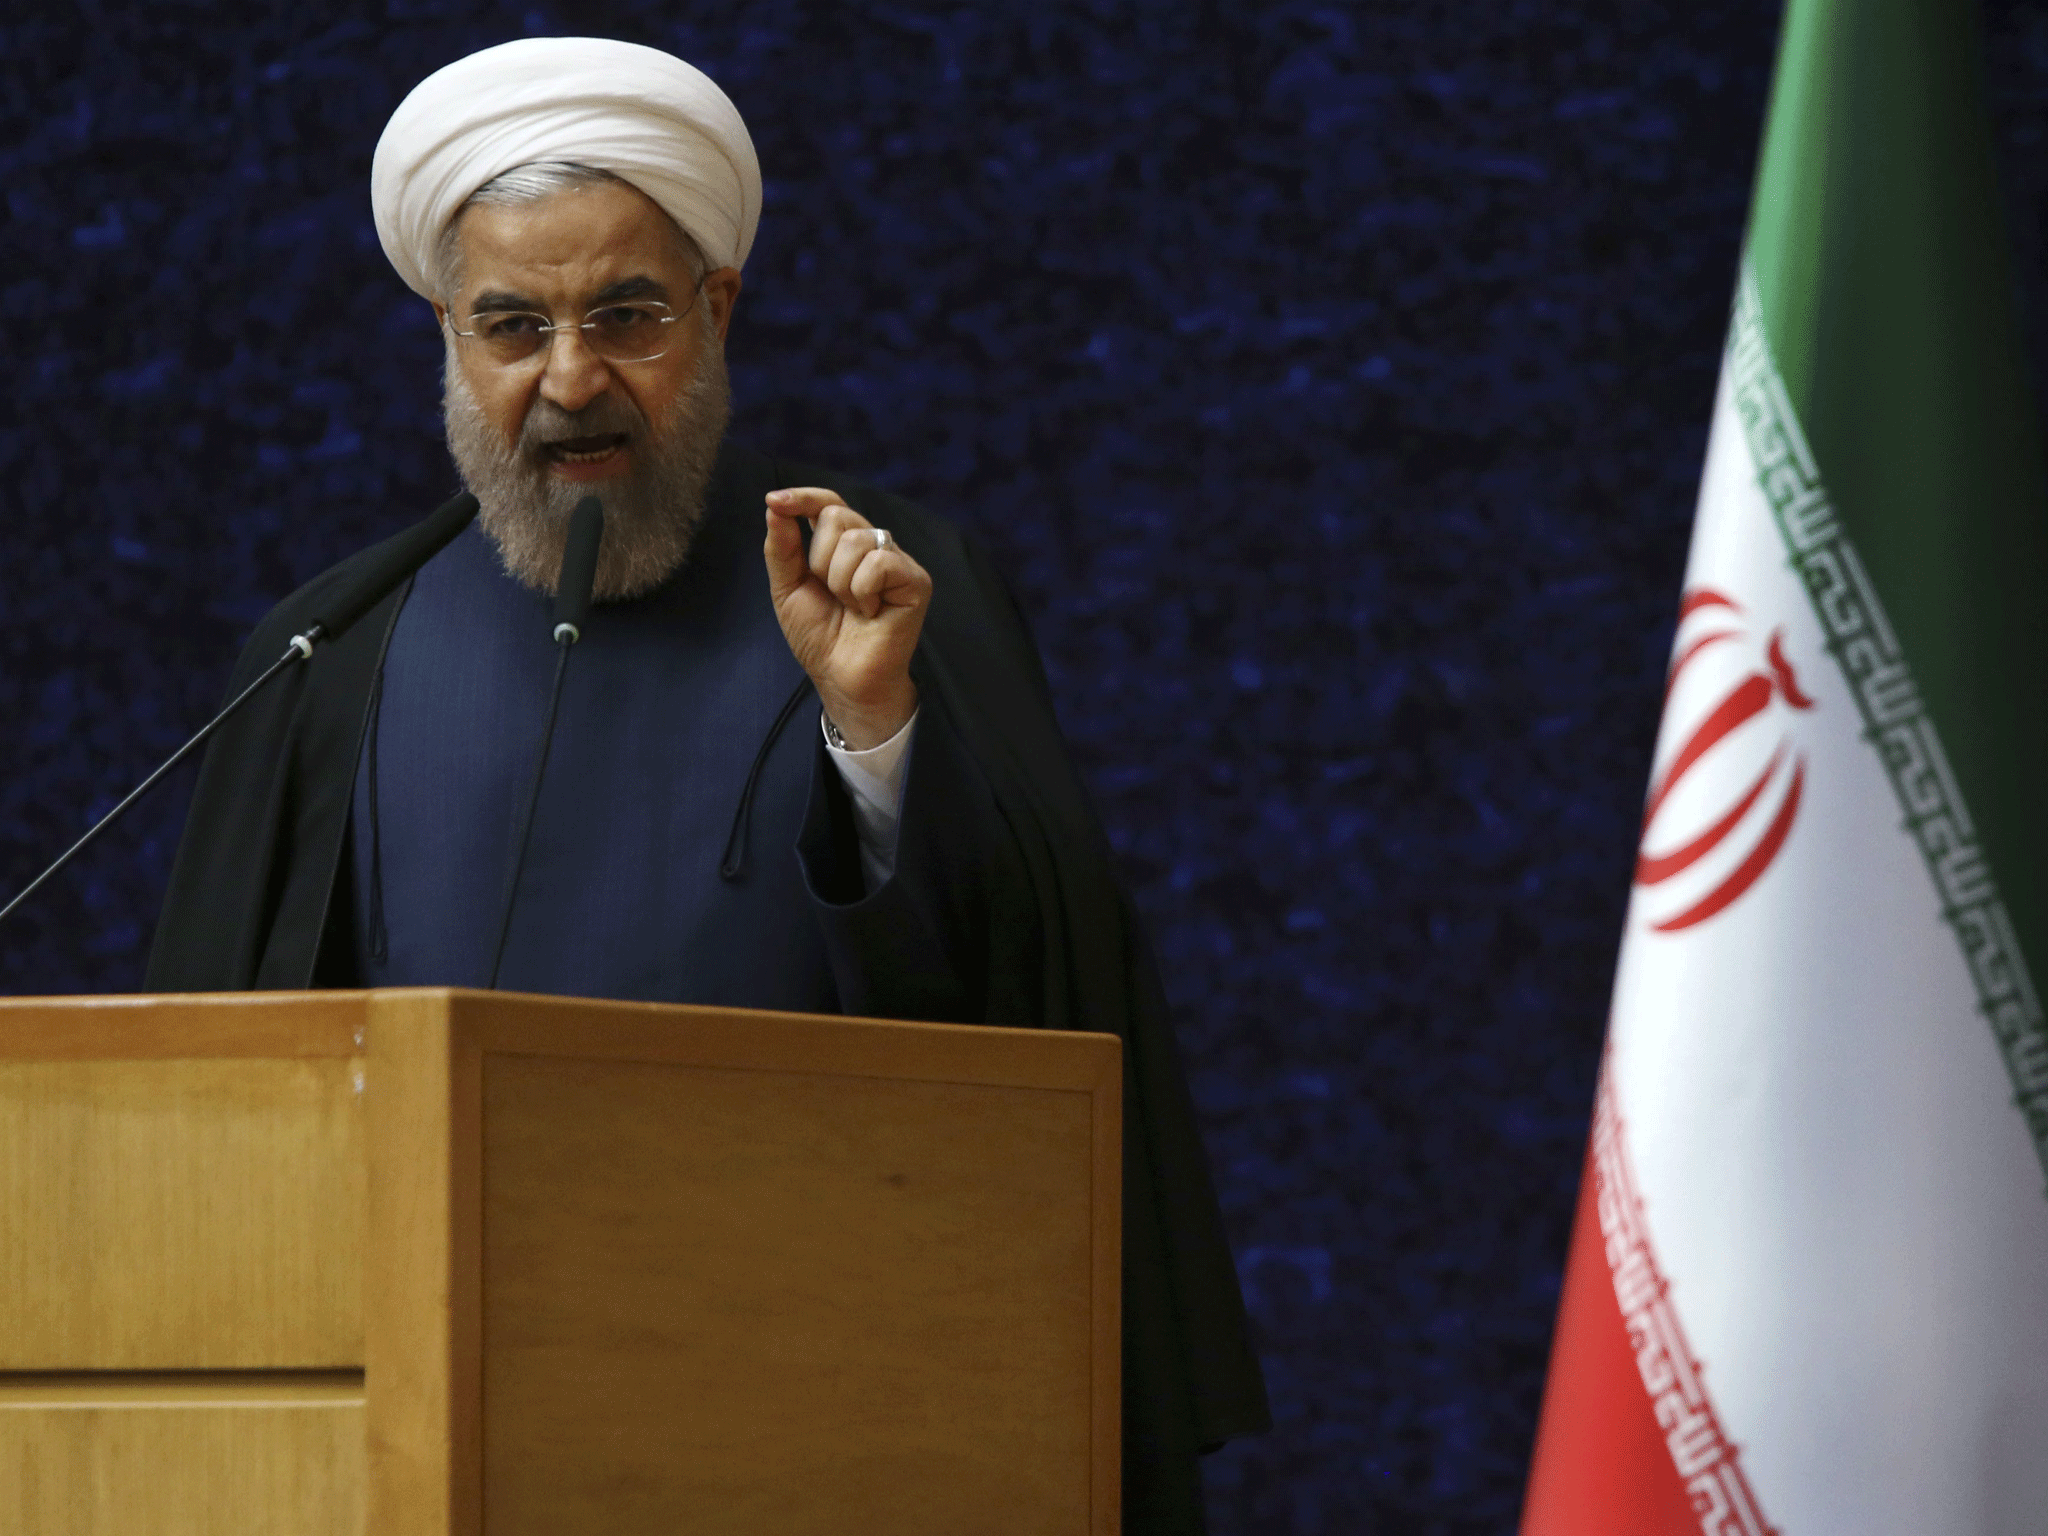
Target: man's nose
574	375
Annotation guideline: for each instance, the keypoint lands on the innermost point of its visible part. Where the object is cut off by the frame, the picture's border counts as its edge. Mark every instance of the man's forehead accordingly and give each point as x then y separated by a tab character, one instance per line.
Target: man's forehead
579	240
641	285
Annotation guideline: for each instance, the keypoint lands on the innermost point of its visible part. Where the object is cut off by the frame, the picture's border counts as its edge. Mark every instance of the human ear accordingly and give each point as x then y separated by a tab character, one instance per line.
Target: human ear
722	293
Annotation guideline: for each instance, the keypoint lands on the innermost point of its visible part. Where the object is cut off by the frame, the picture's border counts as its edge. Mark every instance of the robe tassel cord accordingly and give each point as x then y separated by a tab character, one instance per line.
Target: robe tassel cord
734	864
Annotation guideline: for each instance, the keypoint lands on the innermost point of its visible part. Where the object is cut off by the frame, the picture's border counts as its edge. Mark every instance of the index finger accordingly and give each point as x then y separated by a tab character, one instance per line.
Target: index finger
808	501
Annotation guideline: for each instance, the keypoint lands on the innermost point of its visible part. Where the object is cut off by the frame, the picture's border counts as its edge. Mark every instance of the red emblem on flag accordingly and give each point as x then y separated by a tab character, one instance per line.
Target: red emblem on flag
1700	826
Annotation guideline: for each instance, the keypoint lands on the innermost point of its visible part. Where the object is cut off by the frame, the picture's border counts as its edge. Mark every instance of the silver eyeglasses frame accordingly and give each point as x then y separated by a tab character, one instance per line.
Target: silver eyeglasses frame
544	332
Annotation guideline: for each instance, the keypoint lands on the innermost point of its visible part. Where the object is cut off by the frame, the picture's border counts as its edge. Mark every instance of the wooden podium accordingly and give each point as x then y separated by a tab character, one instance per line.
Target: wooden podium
434	1263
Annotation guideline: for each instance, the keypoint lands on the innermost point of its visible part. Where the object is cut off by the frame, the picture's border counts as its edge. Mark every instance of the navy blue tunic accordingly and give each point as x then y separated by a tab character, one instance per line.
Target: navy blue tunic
668	699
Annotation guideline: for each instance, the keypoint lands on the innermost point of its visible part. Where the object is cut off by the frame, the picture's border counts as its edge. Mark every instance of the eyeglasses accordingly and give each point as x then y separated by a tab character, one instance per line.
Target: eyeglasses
636	331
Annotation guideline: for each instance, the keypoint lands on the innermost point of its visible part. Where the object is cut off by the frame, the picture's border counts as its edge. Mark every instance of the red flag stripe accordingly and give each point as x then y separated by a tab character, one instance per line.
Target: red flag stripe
1630	1444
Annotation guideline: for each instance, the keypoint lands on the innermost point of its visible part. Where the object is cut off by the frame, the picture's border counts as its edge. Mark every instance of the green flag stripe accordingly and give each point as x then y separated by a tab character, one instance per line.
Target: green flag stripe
1878	262
1896	720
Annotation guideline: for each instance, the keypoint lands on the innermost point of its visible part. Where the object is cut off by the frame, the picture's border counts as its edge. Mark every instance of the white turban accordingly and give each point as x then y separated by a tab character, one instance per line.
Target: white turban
645	116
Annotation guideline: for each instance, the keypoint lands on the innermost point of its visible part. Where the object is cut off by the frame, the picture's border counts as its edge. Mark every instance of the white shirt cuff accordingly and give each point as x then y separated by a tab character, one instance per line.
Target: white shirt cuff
874	781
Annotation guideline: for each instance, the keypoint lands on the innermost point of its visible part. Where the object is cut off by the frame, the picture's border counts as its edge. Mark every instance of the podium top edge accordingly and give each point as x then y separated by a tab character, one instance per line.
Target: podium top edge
339	1023
184	1024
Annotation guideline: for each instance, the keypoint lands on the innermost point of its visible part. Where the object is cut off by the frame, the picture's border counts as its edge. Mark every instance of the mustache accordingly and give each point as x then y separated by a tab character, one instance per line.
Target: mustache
608	415
651	513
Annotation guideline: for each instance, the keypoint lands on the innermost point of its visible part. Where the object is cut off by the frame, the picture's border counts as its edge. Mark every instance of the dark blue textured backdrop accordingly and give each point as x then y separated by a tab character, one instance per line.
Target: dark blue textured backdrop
1332	379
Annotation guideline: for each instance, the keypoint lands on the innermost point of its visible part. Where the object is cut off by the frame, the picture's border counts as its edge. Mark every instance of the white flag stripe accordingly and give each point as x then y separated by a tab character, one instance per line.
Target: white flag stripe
1845	1205
1895	714
1699	1449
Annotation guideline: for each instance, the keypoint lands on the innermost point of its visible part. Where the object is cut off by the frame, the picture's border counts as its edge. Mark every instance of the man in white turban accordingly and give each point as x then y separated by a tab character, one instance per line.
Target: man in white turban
578	213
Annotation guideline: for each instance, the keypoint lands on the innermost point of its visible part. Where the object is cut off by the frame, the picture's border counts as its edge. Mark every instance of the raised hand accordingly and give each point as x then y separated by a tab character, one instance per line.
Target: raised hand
851	612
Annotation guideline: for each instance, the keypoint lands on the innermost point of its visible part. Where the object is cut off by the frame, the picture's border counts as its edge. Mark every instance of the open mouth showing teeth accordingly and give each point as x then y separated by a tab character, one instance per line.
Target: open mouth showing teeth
586	450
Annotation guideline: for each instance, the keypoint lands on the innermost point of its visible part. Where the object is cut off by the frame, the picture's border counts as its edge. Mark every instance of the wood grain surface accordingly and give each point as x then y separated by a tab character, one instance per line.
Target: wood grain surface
735	1301
191	1024
181	1213
603	1267
422	1329
183	1456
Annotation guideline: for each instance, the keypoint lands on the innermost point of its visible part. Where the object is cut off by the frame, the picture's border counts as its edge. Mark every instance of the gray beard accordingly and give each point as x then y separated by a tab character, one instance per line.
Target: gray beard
651	514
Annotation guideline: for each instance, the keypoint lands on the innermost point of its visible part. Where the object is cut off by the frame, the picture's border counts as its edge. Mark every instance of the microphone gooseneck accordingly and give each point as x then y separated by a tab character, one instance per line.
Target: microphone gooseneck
579	570
572	610
399	559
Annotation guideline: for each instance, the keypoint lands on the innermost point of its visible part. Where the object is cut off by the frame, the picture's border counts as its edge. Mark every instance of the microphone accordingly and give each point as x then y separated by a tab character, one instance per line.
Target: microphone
401	557
572	610
404	555
579	571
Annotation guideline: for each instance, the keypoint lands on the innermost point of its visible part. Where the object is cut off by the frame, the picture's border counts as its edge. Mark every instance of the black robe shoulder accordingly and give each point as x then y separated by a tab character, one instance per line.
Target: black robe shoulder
253	895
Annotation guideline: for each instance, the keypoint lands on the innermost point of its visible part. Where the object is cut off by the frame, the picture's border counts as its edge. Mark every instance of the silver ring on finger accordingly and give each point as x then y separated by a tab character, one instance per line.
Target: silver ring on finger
882	539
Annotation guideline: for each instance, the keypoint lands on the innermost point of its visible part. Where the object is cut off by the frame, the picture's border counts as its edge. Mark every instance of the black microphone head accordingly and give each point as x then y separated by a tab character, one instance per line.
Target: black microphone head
404	555
579	570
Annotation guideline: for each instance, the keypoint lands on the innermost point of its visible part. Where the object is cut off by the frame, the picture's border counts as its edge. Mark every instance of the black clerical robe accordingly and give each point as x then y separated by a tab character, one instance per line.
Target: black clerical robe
686	763
1006	910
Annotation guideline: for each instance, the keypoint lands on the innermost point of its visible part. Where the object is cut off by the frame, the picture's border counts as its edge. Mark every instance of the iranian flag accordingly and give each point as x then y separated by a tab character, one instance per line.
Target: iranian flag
1807	1290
